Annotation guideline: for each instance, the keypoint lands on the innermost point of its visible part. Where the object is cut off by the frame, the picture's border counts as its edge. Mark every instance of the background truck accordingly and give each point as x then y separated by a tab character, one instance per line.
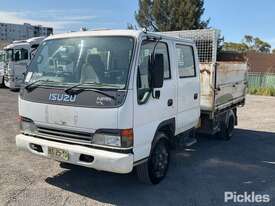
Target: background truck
2	57
115	100
17	57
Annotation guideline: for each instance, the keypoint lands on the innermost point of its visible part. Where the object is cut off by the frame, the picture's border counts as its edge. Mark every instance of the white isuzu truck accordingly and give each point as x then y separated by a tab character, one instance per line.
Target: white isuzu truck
115	100
17	56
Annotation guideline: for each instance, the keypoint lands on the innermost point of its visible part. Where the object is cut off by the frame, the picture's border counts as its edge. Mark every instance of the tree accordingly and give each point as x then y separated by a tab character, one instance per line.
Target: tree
249	43
248	39
273	51
261	46
169	15
144	15
236	47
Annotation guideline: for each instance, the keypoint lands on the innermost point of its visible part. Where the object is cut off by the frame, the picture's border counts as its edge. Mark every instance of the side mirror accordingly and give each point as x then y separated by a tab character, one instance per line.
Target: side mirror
157	71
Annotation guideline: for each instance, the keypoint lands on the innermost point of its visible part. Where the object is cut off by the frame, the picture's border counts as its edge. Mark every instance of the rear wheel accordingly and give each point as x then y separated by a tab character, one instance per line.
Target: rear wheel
227	128
155	169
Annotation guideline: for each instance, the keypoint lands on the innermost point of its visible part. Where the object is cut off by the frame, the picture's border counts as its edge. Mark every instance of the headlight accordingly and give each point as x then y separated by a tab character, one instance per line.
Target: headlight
27	125
107	139
115	138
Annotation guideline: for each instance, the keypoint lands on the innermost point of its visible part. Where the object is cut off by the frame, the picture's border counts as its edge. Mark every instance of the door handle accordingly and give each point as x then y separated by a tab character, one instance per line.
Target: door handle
170	102
196	96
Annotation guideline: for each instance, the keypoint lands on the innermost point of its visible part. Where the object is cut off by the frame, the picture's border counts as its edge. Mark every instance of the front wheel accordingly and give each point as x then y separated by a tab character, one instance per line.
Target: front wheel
155	169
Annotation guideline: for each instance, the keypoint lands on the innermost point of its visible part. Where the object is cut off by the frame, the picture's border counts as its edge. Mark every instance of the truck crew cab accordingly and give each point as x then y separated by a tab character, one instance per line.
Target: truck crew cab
112	100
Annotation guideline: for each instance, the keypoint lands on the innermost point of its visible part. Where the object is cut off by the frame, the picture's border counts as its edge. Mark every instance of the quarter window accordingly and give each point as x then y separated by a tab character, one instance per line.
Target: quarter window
185	61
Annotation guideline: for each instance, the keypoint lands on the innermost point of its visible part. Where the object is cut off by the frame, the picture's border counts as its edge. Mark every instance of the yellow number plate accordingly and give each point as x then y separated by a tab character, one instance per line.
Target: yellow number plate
58	154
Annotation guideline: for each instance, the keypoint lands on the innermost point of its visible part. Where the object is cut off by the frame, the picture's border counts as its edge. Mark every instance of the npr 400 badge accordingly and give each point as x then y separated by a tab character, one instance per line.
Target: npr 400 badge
55	97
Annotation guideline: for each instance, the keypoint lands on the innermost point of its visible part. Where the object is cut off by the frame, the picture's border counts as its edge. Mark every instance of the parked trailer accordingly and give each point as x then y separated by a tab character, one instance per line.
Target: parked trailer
17	56
115	100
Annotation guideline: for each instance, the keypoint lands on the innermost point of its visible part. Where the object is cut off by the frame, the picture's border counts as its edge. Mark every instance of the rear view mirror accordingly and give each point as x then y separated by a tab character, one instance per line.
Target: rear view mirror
157	71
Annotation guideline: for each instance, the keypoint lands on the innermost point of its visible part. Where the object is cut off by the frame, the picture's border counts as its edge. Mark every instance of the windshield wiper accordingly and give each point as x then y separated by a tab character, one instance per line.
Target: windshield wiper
71	90
35	84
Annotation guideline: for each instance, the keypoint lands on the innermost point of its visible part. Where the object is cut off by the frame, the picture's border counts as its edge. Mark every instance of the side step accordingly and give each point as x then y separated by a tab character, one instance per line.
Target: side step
189	141
186	139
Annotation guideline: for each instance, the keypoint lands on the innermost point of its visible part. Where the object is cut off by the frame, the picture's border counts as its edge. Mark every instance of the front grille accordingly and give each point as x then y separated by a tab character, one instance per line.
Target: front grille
65	135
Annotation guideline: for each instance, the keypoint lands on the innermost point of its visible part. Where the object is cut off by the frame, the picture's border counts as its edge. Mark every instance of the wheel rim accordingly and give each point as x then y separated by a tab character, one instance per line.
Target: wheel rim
160	159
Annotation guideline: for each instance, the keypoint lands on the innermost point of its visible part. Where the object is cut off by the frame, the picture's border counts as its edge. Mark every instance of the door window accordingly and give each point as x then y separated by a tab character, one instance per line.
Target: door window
21	54
143	67
185	61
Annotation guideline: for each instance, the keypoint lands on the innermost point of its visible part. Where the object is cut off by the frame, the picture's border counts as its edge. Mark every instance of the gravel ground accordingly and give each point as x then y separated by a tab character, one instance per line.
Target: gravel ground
197	177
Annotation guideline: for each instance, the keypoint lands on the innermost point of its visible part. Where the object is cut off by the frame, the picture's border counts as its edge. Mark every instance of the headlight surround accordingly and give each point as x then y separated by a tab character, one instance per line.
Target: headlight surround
114	138
27	126
107	139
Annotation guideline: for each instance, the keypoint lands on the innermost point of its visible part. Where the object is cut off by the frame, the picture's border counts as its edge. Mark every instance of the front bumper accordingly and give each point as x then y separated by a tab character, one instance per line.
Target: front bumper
103	160
12	84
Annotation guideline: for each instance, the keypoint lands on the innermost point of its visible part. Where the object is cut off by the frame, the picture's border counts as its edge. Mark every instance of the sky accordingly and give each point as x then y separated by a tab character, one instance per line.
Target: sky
235	18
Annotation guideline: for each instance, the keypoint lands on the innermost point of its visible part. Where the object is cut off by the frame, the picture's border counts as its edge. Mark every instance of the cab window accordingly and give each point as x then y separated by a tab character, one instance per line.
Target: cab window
143	67
21	54
185	61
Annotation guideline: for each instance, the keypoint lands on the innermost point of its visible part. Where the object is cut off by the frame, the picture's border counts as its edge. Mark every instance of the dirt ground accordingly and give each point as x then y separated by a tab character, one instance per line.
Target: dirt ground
197	177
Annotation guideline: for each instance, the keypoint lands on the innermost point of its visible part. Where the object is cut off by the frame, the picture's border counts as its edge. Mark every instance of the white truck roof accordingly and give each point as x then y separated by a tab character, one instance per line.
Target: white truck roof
17	45
132	33
36	40
25	43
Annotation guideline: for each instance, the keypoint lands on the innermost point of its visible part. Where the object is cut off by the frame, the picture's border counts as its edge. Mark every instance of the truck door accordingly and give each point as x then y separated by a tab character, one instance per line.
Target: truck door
147	110
21	57
188	110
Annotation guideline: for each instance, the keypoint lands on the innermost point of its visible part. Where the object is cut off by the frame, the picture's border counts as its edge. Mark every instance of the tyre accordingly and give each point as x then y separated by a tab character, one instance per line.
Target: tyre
65	165
15	89
227	128
155	169
2	84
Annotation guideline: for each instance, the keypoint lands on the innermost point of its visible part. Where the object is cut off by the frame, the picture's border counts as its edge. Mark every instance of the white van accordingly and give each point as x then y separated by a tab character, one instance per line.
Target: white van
114	100
18	56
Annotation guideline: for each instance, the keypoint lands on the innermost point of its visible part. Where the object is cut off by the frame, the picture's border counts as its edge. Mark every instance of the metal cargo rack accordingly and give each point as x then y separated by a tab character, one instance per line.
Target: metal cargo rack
206	41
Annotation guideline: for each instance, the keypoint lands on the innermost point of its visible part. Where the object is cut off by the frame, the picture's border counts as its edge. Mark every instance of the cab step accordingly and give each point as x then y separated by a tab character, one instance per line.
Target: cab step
186	139
188	142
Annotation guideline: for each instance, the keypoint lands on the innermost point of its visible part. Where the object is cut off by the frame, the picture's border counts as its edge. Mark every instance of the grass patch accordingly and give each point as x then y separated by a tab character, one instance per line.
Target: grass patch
262	91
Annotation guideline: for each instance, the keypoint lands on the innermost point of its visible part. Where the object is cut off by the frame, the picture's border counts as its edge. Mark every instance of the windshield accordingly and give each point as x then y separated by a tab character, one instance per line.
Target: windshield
102	60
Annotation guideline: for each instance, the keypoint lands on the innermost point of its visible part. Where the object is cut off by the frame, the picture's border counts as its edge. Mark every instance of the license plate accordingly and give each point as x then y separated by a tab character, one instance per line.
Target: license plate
58	154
